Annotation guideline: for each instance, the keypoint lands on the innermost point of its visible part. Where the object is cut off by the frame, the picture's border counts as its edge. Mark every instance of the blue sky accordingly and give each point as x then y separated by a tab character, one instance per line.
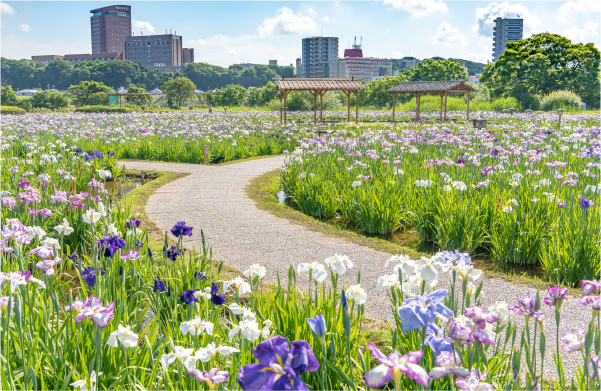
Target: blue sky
230	32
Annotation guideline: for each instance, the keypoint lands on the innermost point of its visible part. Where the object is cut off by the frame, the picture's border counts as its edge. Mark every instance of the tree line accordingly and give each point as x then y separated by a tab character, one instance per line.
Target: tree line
61	74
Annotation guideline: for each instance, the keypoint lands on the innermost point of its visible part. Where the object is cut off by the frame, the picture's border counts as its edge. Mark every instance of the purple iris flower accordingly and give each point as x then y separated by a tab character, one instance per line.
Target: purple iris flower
108	246
216	297
181	229
421	311
159	286
584	203
526	306
557	295
279	367
200	275
133	223
139	244
480	316
110	153
73	257
78	150
460	334
97	154
435	339
188	296
88	157
89	275
590	287
172	253
169	291
456	257
318	325
394	367
594	300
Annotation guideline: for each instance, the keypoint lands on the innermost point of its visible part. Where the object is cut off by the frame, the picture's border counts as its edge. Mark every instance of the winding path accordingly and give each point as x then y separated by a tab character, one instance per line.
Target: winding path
213	198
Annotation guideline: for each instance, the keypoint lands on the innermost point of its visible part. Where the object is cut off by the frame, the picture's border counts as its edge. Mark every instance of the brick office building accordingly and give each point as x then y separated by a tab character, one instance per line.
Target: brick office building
163	53
110	27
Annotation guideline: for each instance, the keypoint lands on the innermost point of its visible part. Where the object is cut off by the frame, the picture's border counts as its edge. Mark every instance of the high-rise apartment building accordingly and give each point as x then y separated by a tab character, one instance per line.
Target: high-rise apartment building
110	26
505	30
316	53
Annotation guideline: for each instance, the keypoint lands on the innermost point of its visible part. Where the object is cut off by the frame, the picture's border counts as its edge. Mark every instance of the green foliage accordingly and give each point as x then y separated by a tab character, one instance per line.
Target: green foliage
12	110
254	95
542	64
137	100
209	97
89	93
435	70
24	103
104	109
9	96
49	99
208	77
179	91
232	95
375	95
560	100
268	93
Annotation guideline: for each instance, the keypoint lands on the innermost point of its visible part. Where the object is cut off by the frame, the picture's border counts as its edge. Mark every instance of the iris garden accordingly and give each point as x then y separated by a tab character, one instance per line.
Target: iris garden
87	304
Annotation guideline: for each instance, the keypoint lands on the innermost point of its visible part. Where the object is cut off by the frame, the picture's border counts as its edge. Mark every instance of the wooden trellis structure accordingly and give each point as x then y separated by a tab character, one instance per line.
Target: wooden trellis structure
318	87
442	88
119	95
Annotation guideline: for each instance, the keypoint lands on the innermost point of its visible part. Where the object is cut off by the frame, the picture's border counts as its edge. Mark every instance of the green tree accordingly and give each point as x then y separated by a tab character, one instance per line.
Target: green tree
232	95
179	90
254	96
375	95
58	74
89	93
436	70
268	93
209	97
137	100
49	99
542	64
9	96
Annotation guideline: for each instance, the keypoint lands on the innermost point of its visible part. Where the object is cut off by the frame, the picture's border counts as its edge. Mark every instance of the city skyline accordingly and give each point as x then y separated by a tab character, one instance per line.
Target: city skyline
234	32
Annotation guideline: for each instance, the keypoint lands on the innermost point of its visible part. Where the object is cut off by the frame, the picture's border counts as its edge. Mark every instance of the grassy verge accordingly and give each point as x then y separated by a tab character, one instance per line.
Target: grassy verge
263	190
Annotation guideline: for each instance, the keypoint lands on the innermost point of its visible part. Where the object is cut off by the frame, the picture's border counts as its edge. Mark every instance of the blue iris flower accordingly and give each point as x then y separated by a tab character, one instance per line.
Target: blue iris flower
318	325
436	341
421	311
159	286
279	367
216	297
181	229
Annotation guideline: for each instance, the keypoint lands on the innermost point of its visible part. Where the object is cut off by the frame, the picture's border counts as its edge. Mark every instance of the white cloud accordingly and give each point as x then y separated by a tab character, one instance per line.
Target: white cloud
387	30
201	41
396	55
25	28
286	22
577	35
572	8
6	9
327	19
312	13
485	17
145	27
447	35
232	52
478	57
418	8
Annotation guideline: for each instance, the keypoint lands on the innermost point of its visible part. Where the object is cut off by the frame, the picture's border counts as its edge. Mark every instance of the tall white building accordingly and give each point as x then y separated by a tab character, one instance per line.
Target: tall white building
316	53
505	30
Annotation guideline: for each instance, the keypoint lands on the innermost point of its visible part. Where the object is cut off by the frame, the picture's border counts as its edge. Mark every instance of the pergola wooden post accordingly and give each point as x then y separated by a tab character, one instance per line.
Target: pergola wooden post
281	96
321	106
356	107
442	88
285	105
318	87
445	106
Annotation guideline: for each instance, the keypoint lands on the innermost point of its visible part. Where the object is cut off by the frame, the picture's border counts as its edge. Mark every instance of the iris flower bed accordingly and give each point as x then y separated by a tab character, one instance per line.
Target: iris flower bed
86	305
523	192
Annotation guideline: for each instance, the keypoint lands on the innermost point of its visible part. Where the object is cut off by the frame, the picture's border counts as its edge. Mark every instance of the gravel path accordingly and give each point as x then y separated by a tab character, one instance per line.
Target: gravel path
213	198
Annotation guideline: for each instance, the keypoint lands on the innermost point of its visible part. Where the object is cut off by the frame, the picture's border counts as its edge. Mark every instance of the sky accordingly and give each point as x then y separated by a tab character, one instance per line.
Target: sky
231	32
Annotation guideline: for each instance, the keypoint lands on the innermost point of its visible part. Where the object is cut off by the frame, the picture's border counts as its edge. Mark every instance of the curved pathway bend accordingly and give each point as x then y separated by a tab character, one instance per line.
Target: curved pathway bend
213	198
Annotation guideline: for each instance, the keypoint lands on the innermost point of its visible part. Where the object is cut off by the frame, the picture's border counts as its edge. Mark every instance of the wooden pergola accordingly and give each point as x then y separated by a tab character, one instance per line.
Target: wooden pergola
442	88
318	87
119	95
